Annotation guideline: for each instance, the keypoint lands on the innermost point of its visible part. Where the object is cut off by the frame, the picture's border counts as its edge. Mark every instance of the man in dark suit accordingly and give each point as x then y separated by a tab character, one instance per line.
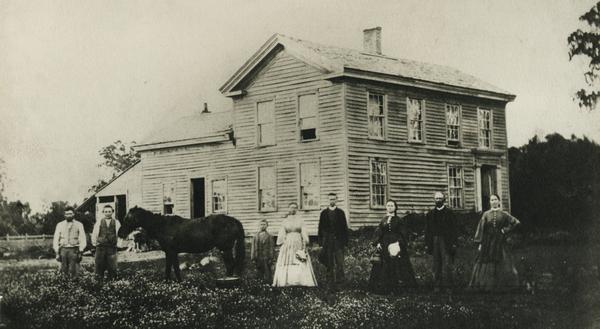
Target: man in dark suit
333	237
441	239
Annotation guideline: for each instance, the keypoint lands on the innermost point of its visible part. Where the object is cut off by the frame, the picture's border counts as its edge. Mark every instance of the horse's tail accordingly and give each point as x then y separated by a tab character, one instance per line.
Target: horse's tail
239	248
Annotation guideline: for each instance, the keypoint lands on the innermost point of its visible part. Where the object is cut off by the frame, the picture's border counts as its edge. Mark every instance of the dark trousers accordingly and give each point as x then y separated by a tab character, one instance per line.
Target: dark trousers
335	262
443	263
69	260
106	260
263	269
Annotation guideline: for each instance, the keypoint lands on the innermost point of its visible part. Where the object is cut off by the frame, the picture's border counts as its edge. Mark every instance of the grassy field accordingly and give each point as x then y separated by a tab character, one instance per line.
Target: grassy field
566	276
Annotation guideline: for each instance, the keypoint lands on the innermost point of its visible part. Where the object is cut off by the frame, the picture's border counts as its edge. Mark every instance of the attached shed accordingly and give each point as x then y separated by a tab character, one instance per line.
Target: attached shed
122	192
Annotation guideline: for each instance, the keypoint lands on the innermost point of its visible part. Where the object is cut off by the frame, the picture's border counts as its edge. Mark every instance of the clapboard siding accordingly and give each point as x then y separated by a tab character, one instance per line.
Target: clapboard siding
343	148
415	170
282	80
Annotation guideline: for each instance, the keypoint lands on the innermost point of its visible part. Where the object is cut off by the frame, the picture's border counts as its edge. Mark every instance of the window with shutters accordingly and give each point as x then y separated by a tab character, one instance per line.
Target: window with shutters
265	120
307	117
309	185
415	109
376	113
267	198
379	183
453	124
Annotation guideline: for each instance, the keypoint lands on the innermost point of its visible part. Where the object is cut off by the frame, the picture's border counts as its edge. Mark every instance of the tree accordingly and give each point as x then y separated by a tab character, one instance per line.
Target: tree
587	44
53	216
556	183
117	157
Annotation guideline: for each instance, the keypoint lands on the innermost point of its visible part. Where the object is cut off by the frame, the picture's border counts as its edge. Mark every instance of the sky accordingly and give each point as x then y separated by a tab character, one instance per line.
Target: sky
76	76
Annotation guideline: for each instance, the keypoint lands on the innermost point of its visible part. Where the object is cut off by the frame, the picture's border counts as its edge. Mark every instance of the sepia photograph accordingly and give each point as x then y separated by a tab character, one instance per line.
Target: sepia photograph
300	164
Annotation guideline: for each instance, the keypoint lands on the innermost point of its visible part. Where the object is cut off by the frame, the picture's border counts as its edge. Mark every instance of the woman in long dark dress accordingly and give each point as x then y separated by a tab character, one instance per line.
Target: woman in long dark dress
392	272
494	267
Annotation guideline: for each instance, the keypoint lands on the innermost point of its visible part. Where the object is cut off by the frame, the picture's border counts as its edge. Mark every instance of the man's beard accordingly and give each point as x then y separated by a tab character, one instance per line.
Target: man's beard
439	204
69	219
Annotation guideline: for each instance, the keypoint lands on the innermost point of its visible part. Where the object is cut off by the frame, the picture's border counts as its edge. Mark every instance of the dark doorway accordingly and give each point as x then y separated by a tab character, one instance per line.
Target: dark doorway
488	185
121	207
197	198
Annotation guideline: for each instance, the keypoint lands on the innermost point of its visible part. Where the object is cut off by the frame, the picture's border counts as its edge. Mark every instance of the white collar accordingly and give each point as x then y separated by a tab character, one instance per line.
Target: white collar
441	208
332	208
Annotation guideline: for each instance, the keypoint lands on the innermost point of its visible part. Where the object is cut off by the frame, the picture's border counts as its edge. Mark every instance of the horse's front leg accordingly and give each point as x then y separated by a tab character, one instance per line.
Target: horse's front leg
228	260
176	267
168	264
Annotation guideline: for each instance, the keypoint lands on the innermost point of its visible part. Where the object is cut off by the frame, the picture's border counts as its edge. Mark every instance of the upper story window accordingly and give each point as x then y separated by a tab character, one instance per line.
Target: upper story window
265	120
376	112
309	185
453	124
307	117
455	187
219	196
415	109
379	182
484	118
267	198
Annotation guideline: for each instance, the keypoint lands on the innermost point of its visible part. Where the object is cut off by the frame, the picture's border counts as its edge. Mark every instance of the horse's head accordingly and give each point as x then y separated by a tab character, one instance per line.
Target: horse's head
132	220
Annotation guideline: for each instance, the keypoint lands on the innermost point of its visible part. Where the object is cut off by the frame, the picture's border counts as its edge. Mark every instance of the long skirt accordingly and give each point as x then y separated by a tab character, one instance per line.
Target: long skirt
289	270
392	274
495	275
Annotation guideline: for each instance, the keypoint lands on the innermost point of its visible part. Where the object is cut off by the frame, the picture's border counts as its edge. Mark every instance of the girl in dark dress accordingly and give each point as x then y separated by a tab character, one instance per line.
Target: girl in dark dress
387	274
494	267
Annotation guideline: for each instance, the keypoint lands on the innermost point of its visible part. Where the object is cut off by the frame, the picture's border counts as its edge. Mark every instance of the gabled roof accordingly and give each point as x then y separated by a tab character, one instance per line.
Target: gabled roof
340	62
200	128
90	198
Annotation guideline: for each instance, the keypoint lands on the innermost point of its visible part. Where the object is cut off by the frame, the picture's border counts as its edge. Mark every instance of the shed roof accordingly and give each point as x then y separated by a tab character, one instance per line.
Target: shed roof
343	61
111	181
192	129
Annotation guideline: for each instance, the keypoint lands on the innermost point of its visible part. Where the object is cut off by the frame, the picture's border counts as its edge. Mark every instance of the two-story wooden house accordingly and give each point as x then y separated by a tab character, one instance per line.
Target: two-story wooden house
310	119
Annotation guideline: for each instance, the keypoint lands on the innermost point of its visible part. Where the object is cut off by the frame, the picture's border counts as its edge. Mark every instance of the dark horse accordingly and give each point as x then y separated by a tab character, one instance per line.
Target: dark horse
176	234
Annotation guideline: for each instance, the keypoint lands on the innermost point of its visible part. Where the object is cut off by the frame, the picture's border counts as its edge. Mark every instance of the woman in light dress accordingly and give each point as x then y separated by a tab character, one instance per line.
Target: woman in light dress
293	266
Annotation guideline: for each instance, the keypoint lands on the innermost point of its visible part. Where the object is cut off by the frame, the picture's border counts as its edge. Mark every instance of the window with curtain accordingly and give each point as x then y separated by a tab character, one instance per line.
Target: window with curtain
453	124
307	116
376	113
485	128
267	199
309	185
414	110
455	187
219	196
265	123
379	182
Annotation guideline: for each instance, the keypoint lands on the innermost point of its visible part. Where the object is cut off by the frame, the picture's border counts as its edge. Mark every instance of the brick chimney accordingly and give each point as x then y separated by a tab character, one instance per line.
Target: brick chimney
372	40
